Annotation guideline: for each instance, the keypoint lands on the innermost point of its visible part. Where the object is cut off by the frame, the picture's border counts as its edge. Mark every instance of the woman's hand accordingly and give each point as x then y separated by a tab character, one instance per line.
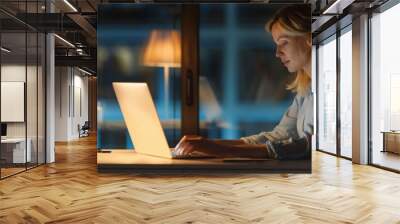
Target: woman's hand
219	148
190	144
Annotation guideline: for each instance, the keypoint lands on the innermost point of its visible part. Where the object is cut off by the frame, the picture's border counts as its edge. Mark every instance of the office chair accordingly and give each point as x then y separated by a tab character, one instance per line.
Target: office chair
84	130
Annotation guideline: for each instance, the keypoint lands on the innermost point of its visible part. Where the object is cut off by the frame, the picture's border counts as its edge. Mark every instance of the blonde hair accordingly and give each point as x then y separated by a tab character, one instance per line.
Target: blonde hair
295	19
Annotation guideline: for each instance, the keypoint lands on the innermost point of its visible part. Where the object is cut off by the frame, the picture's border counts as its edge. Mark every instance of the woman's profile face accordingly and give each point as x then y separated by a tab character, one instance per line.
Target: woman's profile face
293	51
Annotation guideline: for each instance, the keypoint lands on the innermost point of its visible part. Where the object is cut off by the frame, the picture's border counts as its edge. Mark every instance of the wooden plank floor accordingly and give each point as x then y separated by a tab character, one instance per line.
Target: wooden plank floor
71	191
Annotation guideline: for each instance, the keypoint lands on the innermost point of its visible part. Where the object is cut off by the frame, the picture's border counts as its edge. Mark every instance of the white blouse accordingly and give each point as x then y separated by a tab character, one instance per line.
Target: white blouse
297	121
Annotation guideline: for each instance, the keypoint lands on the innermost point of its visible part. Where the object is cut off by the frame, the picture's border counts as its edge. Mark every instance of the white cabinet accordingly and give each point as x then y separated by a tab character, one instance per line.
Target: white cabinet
19	154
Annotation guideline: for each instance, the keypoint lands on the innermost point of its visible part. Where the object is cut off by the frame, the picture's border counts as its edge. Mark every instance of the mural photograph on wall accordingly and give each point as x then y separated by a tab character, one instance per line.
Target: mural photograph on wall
205	86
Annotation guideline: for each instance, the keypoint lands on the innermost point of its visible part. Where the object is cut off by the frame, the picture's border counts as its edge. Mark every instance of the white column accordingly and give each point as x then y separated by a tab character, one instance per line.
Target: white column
360	90
50	93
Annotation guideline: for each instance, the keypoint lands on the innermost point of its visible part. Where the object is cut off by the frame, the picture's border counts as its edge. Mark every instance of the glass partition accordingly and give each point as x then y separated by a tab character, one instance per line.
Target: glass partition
31	98
22	91
327	96
14	153
41	97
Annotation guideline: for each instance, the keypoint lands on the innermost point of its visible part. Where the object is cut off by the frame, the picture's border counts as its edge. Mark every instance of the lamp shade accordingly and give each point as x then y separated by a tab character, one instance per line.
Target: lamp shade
163	49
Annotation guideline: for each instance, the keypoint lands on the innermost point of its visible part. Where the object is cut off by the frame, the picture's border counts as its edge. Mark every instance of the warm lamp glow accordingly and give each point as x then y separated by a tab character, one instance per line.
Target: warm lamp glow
163	49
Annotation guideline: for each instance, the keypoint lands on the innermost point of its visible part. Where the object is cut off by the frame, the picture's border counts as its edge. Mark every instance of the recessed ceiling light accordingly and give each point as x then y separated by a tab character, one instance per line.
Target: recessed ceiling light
5	50
338	6
70	5
84	71
64	40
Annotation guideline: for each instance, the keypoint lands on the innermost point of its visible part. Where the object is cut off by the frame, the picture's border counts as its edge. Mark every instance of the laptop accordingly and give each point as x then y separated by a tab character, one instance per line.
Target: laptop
144	126
143	123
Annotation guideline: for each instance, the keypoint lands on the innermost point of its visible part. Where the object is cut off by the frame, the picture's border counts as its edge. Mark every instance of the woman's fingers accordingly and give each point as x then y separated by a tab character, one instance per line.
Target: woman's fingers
187	150
187	146
184	141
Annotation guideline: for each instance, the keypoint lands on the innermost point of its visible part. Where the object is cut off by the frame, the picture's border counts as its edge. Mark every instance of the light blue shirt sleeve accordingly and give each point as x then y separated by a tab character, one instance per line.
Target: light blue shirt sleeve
295	123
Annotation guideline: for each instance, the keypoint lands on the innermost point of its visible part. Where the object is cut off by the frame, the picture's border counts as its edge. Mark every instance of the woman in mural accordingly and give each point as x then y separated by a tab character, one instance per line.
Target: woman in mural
291	138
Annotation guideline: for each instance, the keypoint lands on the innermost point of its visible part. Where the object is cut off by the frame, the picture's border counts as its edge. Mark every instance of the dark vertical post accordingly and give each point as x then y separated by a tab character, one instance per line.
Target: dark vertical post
369	89
338	100
37	88
1	163
26	86
190	69
317	97
45	89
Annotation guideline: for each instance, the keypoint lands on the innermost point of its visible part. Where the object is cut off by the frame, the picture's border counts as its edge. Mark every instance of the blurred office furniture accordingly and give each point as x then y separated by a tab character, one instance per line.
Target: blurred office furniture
211	110
209	100
13	151
391	141
84	129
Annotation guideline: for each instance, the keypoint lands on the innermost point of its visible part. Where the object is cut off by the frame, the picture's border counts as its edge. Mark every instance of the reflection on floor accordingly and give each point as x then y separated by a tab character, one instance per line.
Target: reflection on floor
10	169
386	159
72	191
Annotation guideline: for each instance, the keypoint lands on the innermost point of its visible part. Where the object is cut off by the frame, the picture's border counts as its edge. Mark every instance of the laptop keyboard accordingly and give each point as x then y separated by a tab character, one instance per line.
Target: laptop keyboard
193	155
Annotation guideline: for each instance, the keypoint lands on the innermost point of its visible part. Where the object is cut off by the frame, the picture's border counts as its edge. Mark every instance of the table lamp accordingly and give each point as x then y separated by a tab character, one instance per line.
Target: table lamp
163	50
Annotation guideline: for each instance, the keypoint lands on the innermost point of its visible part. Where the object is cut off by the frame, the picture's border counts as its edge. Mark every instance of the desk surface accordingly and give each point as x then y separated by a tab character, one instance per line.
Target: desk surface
13	140
128	160
390	132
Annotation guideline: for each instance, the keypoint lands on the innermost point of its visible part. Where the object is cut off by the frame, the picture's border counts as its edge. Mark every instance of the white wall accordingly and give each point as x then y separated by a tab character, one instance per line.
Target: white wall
16	73
61	103
33	126
50	94
71	94
80	110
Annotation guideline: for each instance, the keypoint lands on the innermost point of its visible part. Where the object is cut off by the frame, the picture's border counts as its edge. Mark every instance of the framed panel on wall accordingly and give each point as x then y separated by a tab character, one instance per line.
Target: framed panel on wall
216	71
12	98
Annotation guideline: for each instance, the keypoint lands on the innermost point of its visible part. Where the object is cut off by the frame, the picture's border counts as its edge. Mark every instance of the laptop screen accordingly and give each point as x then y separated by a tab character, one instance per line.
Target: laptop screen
141	119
